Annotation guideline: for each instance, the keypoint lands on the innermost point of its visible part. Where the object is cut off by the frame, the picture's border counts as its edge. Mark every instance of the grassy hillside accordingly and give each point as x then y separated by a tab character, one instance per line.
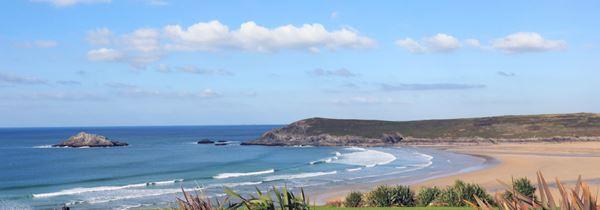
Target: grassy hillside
524	126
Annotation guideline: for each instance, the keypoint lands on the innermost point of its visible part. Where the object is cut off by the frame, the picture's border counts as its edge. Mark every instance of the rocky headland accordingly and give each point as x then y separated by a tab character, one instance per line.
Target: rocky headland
486	130
84	139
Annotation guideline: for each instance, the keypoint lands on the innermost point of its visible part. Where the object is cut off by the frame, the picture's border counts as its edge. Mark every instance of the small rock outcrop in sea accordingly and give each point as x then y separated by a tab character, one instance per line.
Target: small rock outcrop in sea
84	139
206	141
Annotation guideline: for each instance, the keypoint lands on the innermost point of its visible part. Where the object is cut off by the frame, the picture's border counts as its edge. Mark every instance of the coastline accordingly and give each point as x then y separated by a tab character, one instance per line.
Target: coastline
565	161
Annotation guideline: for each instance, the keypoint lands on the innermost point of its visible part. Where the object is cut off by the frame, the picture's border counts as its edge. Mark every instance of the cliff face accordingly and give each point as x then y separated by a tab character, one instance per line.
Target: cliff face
305	132
531	128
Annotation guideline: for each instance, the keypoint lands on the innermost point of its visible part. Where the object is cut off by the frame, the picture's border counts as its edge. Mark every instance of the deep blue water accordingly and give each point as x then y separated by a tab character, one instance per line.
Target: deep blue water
160	160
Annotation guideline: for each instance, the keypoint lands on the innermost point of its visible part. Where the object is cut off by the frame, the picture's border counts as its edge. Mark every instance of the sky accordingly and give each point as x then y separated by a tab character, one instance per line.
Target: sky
168	62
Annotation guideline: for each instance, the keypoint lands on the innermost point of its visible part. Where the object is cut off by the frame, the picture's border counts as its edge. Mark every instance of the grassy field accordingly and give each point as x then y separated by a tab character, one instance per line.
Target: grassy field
393	208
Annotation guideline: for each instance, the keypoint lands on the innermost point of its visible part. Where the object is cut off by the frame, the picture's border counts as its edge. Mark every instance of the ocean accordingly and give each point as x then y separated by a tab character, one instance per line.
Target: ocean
160	160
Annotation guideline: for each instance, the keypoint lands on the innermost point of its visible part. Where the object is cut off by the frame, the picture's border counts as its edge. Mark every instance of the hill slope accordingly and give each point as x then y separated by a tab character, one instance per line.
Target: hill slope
342	132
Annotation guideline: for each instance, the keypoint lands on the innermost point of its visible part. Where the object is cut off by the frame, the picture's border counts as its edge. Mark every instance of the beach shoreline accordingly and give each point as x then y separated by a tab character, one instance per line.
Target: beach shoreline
563	161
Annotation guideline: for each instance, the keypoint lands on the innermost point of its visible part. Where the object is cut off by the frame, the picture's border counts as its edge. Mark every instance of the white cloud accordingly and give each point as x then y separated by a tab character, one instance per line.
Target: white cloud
411	45
210	36
64	3
442	43
104	54
438	43
527	42
147	45
142	40
473	42
100	36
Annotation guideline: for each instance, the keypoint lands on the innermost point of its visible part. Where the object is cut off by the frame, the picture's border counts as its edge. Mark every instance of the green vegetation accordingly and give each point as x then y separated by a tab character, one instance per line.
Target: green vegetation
455	197
427	195
522	186
526	126
392	208
354	199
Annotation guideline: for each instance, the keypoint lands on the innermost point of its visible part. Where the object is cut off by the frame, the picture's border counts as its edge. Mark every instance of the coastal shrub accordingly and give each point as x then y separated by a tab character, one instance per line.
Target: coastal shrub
379	197
402	196
522	186
427	195
457	194
354	199
449	197
284	199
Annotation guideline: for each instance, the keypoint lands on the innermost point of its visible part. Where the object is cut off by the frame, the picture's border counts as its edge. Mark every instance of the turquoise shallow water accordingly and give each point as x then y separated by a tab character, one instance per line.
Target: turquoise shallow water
160	160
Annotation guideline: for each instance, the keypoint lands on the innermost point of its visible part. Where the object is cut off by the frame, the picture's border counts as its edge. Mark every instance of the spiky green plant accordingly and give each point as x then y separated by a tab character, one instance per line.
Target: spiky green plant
402	196
427	195
579	198
354	199
379	197
284	200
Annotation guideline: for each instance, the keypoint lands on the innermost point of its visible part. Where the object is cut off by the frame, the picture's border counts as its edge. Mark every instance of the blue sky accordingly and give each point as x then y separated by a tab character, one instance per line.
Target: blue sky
167	62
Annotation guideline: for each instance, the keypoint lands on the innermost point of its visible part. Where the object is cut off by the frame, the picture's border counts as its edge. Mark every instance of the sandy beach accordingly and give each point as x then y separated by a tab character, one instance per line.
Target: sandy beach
564	161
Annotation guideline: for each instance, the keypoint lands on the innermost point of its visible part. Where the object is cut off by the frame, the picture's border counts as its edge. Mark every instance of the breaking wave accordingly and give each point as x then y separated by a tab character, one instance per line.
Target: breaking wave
238	174
80	190
298	176
359	157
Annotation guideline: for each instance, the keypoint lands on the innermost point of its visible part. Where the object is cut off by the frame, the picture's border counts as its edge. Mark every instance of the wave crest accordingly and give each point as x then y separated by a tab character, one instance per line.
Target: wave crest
298	176
238	174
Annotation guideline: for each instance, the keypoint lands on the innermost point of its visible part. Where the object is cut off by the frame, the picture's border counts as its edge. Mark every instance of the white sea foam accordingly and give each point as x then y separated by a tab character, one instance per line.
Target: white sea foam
238	174
240	184
354	169
43	146
80	190
327	160
364	157
298	176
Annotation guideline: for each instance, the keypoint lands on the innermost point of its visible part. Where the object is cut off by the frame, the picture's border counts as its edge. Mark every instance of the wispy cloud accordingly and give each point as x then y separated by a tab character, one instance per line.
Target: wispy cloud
130	90
10	79
65	3
68	82
363	100
196	70
70	96
342	72
432	86
38	44
438	43
506	74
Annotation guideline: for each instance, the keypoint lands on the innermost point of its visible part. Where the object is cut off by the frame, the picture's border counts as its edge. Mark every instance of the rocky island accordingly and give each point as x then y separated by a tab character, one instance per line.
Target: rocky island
83	139
516	129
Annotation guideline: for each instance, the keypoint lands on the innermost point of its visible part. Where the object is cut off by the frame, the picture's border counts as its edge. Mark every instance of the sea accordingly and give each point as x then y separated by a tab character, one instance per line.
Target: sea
161	161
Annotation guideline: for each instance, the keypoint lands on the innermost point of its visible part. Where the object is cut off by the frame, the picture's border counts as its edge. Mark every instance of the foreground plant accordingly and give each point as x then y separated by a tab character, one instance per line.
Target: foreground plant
198	201
284	200
578	198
